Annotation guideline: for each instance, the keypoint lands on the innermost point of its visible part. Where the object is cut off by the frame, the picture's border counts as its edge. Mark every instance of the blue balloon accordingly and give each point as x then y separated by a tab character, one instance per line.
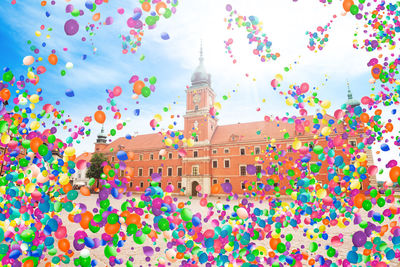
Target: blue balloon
385	147
121	155
69	93
137	112
89	4
164	36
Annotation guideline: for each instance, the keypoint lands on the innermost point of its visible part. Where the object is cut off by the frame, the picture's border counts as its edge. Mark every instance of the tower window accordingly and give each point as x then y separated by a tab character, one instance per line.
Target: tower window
196	108
214	151
141	184
226	150
141	157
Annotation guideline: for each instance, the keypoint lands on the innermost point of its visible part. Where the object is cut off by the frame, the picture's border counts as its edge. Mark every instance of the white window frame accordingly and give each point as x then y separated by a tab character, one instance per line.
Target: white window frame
141	157
170	155
215	151
195	153
158	170
229	163
151	157
141	184
152	171
197	168
240	170
215	181
255	150
168	169
226	150
240	151
140	172
177	171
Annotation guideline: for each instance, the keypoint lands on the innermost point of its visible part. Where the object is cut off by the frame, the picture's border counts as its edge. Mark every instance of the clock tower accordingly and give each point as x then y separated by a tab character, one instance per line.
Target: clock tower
199	99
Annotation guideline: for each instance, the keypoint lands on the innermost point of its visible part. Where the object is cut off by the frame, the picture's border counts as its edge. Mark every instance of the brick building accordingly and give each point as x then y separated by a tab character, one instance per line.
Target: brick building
221	153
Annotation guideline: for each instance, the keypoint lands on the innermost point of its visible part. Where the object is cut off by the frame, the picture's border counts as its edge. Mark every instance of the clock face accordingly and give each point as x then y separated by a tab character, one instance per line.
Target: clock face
196	98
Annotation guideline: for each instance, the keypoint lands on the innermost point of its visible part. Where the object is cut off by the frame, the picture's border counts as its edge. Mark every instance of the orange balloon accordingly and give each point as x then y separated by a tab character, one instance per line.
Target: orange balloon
376	75
35	143
5	94
96	17
273	242
389	127
347	4
138	85
146	6
84	191
112	229
53	59
87	216
216	189
133	219
100	116
159	6
63	245
364	117
67	188
129	172
358	200
28	263
394	174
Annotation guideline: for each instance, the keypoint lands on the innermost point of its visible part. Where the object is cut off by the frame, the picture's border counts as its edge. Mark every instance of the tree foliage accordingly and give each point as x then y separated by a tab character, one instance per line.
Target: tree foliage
95	169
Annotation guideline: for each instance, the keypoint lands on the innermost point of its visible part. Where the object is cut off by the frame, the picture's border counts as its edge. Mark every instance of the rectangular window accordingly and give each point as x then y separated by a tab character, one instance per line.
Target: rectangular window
243	171
121	173
242	151
311	146
215	164
179	171
140	172
159	184
227	181
169	171
160	170
215	181
169	183
130	184
214	151
226	163
151	156
258	167
353	143
257	150
112	159
151	171
141	184
195	154
226	150
170	155
195	170
243	186
159	157
179	185
141	157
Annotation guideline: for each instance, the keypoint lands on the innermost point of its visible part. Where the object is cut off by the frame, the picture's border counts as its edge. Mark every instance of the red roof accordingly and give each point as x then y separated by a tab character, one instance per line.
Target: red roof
139	142
87	156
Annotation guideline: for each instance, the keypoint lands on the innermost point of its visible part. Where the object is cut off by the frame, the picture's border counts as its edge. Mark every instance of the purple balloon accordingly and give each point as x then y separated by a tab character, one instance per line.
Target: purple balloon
148	251
251	169
359	238
71	27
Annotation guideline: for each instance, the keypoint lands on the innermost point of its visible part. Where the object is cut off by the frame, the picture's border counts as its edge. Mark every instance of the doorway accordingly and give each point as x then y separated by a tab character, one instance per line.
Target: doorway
194	185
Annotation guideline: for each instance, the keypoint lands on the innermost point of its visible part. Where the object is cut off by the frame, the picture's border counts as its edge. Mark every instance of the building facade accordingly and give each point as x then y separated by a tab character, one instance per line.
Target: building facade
221	153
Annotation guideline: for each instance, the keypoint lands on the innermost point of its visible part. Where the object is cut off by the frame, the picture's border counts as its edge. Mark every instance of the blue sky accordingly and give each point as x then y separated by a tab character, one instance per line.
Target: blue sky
172	61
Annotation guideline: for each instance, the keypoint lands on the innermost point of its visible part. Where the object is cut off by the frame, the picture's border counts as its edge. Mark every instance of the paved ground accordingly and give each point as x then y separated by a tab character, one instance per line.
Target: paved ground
137	253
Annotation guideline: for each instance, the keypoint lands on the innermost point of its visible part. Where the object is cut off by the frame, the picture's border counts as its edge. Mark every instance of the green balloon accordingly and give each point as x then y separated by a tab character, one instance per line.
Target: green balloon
367	205
331	252
8	76
186	214
131	229
146	91
167	14
139	239
93	228
3	248
110	251
318	149
381	202
373	193
150	20
75	13
153	80
43	150
51	139
112	218
163	224
313	247
281	248
28	235
354	9
91	181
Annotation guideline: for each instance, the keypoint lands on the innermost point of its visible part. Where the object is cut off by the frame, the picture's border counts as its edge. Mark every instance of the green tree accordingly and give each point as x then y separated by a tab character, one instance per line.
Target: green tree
95	169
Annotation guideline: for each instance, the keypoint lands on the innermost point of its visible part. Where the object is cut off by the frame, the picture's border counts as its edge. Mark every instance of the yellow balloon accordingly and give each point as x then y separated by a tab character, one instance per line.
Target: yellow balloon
35	125
5	139
279	77
34	98
190	142
29	188
289	101
31	75
296	144
69	151
158	117
64	179
325	104
361	157
326	131
321	193
217	105
168	142
38	33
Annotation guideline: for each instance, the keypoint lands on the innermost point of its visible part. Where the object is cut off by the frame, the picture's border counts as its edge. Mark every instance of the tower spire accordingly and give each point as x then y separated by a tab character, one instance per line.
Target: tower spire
101	137
349	94
201	51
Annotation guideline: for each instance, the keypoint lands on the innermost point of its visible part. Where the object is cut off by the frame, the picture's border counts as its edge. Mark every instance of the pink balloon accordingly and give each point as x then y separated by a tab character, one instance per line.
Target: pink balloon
117	91
81	164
